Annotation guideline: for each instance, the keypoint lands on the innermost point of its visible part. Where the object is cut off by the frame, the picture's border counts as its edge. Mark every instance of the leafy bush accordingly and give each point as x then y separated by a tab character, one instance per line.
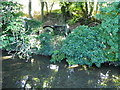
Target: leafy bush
88	45
9	11
81	47
49	43
14	36
45	43
20	34
11	24
108	30
31	24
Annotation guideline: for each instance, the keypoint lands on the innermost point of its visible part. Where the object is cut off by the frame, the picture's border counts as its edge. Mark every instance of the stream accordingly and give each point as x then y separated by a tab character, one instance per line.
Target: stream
40	73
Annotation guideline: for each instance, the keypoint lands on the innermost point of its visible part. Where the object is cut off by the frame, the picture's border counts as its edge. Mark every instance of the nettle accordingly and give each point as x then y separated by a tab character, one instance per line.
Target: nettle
88	45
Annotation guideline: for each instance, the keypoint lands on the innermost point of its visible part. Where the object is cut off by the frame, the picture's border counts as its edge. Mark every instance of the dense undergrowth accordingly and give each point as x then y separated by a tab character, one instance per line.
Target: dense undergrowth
84	45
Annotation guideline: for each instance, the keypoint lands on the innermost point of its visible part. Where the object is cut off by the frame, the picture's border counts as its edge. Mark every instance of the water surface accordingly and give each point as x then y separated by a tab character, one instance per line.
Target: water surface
40	73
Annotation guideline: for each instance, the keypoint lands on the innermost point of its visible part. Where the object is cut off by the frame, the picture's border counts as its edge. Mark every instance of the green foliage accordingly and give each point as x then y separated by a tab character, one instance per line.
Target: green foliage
49	43
11	24
85	45
108	30
81	47
88	45
57	55
72	21
32	23
58	11
14	36
9	11
72	11
45	44
22	38
75	11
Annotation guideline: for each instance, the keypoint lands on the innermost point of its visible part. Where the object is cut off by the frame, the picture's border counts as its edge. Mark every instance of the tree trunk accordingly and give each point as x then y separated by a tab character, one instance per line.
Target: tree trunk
46	8
86	10
51	7
30	8
82	7
63	14
95	8
88	4
91	8
42	11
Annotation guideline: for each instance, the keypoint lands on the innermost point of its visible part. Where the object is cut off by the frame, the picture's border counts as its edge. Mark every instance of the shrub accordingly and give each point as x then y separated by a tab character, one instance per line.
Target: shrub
45	43
11	24
108	30
9	11
49	43
31	24
88	45
14	36
81	47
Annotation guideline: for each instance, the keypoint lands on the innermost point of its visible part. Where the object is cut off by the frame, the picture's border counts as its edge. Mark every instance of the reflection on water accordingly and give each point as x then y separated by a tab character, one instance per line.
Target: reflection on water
53	67
40	73
107	79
